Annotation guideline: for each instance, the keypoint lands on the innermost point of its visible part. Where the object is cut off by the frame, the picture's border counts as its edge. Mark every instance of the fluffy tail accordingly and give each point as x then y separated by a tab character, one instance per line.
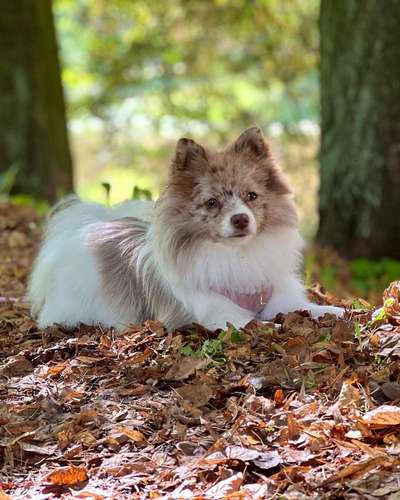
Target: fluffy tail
41	274
67	201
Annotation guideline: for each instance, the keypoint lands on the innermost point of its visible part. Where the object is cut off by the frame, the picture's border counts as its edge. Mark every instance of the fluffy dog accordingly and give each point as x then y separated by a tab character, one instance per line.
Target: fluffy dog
220	245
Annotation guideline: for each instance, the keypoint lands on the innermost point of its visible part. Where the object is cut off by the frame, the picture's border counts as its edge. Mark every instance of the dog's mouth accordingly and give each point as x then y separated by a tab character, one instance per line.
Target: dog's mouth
242	234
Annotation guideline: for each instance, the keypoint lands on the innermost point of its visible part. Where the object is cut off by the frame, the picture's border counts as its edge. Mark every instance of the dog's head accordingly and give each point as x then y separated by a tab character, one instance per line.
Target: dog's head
229	196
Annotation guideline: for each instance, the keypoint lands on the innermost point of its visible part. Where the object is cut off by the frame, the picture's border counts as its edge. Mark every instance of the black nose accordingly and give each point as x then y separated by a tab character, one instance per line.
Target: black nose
240	221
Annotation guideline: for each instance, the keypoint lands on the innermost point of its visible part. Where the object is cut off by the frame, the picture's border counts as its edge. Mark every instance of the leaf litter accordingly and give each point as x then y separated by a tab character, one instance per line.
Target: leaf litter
294	409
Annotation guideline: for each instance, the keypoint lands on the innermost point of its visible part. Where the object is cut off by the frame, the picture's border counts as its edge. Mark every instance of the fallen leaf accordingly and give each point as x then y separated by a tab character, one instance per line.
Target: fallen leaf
349	397
132	434
383	416
240	453
226	487
186	367
16	366
279	396
155	327
67	476
40	450
197	394
391	390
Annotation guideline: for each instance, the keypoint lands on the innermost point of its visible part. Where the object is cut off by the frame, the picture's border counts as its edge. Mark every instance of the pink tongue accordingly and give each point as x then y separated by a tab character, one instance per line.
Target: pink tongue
254	302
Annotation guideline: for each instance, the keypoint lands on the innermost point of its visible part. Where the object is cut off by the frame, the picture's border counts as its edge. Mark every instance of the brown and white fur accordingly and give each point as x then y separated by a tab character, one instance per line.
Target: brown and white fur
220	245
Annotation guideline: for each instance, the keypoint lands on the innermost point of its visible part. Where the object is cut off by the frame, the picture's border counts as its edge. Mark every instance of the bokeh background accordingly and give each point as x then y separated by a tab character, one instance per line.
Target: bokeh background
95	94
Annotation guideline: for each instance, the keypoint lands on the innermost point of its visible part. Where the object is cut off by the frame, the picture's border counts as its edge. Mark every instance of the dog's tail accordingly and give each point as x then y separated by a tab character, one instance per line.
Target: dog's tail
40	277
67	201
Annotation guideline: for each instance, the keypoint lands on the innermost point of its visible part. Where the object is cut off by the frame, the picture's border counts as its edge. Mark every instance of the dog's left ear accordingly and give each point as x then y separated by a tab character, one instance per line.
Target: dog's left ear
251	140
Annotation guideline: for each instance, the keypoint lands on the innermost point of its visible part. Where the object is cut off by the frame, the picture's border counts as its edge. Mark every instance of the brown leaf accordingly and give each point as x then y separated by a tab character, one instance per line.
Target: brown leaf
86	438
155	327
185	367
356	468
391	390
349	397
279	396
197	394
67	476
267	460
240	453
391	300
383	416
132	434
105	342
17	366
225	487
40	450
64	438
342	332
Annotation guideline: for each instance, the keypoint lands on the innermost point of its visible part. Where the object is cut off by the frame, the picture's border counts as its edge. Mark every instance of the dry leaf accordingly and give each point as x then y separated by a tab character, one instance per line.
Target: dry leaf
40	450
279	396
225	487
197	394
349	397
67	476
185	367
383	416
132	434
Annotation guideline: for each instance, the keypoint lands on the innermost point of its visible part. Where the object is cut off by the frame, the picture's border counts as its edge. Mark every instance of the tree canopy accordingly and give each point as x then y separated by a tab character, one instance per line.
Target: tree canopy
202	63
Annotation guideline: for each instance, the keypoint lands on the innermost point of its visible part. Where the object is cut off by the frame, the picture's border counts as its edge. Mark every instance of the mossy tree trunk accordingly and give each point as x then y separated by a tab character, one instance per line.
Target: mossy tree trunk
360	150
33	134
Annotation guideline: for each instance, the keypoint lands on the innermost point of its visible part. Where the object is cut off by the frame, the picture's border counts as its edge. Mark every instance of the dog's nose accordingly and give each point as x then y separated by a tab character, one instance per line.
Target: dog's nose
240	221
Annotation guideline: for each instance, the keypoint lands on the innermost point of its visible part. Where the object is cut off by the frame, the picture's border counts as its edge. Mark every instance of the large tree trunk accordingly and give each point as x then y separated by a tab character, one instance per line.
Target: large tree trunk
360	150
33	133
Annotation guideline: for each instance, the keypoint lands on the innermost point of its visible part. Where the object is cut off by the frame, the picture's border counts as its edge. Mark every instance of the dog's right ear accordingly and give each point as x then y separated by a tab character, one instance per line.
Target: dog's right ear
188	154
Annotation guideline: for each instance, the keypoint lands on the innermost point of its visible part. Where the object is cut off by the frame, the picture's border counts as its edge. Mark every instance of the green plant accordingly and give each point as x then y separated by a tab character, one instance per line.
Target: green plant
7	179
358	335
141	194
369	275
209	348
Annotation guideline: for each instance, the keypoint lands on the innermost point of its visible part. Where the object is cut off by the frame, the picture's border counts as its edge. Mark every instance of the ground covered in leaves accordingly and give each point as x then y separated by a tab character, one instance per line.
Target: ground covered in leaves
293	409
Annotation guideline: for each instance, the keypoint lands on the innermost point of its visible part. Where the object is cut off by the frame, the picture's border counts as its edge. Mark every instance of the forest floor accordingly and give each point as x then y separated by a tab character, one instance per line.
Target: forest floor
297	409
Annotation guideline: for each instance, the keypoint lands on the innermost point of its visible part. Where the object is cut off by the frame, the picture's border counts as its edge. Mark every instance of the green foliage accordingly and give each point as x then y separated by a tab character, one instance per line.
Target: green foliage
328	277
358	335
355	278
41	206
141	194
7	179
370	275
210	348
214	62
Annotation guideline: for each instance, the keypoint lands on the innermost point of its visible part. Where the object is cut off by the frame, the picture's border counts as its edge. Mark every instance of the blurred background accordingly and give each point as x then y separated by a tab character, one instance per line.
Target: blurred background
94	95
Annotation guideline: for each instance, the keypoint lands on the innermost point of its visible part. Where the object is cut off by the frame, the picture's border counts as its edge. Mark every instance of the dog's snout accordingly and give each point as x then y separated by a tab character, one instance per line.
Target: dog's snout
240	221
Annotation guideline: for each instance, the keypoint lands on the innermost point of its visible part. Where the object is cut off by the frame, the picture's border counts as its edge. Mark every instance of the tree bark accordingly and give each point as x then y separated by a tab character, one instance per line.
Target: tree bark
359	203
33	133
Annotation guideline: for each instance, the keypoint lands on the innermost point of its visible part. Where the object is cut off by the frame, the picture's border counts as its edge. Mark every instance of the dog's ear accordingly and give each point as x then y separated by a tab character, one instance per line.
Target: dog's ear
188	154
251	141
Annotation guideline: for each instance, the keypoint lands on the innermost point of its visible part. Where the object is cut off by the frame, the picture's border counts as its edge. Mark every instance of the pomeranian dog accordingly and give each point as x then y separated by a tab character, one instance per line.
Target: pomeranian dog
220	245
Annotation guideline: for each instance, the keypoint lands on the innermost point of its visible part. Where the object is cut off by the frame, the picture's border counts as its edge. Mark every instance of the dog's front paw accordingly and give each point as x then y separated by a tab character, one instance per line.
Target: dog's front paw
318	311
237	320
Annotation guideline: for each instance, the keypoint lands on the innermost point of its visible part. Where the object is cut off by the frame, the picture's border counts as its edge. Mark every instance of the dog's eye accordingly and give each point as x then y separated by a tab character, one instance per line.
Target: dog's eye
212	203
251	196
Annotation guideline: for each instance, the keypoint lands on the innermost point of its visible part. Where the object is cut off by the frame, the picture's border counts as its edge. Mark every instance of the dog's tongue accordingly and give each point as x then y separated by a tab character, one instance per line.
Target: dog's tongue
254	302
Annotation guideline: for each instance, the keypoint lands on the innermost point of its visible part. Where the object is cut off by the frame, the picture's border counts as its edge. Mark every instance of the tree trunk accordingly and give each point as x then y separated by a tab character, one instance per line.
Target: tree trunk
33	134
360	151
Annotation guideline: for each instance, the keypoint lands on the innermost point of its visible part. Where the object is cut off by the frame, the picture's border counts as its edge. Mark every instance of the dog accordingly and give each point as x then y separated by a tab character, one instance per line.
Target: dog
220	245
